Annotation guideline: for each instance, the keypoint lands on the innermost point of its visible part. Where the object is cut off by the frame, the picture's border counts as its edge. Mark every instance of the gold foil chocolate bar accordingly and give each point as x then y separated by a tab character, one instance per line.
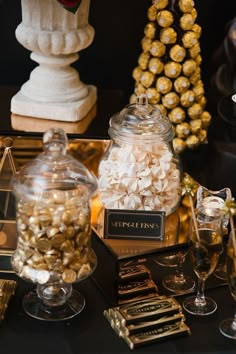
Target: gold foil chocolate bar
7	290
136	287
135	298
134	328
147	310
157	334
138	271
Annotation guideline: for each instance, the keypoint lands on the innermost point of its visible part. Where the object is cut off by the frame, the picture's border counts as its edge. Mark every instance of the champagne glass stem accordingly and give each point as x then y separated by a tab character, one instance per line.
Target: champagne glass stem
200	298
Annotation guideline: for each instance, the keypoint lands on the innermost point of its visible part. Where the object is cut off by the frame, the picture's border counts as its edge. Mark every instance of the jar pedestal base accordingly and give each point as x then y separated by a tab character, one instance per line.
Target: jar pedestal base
36	308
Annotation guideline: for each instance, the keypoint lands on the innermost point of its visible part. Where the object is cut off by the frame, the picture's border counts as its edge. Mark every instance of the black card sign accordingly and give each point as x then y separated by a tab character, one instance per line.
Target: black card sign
134	224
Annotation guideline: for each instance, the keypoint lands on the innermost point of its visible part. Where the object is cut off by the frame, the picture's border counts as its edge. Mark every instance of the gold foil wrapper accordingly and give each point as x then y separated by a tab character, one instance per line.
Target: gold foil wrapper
163	85
143	60
165	18
202	101
195	111
194	51
186	5
189	39
195	126
197	30
150	30
152	13
177	53
187	98
161	108
139	89
177	115
189	67
195	77
7	290
182	130
172	69
194	13
170	100
186	22
157	49
206	119
179	145
160	4
202	136
181	84
168	35
155	65
146	44
152	95
198	90
137	73
147	79
192	141
198	59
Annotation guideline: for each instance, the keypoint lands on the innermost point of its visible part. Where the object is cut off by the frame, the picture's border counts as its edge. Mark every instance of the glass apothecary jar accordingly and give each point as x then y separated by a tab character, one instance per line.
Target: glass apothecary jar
140	170
53	193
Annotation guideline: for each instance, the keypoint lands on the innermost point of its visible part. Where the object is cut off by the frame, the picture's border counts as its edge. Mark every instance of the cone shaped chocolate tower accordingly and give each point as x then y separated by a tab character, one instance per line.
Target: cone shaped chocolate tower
169	72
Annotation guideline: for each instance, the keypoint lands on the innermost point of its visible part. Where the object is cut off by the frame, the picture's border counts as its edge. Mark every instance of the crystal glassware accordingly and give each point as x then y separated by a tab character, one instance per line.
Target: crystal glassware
53	219
205	247
228	326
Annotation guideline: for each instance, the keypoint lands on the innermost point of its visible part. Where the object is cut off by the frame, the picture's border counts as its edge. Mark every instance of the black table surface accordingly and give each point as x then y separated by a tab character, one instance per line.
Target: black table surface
90	332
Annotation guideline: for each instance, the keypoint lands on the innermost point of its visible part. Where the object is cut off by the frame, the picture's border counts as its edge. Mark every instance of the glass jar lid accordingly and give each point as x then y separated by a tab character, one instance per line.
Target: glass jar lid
54	168
141	120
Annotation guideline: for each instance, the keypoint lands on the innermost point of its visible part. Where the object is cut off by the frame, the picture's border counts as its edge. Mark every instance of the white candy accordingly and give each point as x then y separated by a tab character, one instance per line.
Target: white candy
140	178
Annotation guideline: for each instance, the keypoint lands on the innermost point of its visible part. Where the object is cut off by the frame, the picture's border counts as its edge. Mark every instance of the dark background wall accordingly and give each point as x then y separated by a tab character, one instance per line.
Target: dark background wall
119	25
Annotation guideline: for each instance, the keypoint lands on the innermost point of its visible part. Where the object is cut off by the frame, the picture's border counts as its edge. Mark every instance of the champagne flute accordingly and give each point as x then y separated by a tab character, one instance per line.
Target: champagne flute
205	249
228	326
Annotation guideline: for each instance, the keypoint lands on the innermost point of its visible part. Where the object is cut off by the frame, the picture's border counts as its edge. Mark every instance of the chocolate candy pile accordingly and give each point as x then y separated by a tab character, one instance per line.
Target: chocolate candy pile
169	73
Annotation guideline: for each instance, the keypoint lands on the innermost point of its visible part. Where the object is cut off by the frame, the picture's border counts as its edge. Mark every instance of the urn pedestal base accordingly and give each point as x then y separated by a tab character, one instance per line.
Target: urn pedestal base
65	111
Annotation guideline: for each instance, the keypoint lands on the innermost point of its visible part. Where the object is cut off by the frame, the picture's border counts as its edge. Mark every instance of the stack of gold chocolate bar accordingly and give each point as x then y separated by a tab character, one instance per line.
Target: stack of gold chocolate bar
148	321
7	290
135	283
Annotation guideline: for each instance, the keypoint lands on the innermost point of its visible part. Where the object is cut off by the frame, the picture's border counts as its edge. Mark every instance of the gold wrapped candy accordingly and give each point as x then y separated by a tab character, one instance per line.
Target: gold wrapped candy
195	126
160	4
186	5
151	13
155	65
153	95
181	84
170	100
186	22
137	73
192	141
146	44
157	49
189	39
195	111
205	118
177	53
147	78
179	145
189	67
143	60
183	130
194	51
165	18
187	98
161	108
177	115
172	69
163	85
168	35
150	30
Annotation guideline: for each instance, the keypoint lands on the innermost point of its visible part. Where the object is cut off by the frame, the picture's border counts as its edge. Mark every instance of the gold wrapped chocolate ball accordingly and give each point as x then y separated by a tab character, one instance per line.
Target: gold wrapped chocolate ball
195	126
195	111
177	53
182	130
202	101
195	77
146	44
192	141
139	89
205	118
186	22
172	69
198	59
168	35
137	73
189	39
189	67
170	100
187	98
161	108
157	49
194	51
147	79
160	4
177	115
186	5
179	145
197	30
181	84
198	90
155	65
152	13
150	30
202	135
163	85
143	60
165	18
152	95
133	99
194	13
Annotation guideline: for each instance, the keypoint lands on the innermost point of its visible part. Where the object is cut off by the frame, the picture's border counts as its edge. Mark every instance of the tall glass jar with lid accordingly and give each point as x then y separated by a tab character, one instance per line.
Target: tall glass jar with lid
140	170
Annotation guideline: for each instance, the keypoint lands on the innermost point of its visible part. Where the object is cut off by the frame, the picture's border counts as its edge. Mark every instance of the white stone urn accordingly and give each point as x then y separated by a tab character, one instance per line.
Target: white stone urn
55	36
